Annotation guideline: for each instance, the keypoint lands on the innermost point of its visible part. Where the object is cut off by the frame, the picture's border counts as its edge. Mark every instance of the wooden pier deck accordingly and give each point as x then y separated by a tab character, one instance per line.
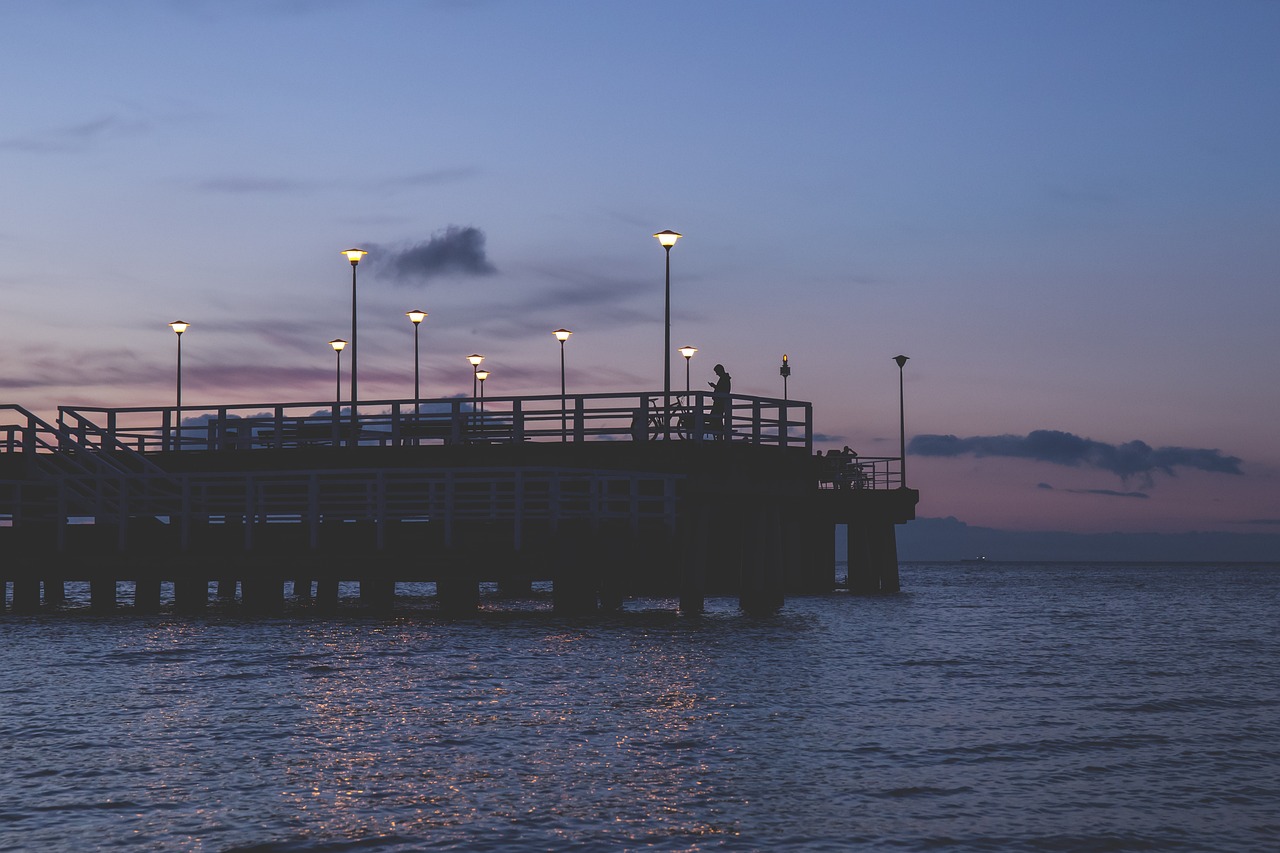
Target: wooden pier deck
611	495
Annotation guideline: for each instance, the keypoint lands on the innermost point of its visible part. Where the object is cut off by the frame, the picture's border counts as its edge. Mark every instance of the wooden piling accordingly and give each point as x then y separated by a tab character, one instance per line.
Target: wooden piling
146	595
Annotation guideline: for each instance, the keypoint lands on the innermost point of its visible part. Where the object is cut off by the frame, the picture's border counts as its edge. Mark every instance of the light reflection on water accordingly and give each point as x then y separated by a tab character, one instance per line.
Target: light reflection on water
991	707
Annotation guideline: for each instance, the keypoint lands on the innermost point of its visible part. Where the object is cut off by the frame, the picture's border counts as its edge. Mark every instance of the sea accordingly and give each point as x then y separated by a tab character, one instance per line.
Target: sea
988	706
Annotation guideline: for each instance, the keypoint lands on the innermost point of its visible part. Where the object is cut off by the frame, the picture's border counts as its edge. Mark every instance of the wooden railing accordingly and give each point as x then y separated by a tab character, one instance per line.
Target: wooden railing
458	420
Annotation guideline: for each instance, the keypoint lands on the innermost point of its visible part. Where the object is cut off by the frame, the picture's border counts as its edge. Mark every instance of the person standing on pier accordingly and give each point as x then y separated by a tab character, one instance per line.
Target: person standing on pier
720	390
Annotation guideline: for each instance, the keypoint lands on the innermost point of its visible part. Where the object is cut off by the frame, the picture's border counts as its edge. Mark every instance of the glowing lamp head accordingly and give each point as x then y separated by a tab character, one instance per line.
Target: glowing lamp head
668	238
354	255
338	344
562	335
416	316
179	326
475	359
687	352
482	375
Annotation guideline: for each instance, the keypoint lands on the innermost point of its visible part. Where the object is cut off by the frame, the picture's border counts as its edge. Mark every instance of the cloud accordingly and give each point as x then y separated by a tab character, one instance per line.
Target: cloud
1109	493
1131	459
76	137
455	250
244	184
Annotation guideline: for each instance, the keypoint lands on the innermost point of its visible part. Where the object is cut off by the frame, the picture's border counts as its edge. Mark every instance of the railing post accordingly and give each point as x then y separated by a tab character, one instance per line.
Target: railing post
580	418
756	416
784	426
517	421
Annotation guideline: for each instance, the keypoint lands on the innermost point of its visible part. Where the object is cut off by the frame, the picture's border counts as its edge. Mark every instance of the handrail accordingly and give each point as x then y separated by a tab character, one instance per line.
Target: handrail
455	420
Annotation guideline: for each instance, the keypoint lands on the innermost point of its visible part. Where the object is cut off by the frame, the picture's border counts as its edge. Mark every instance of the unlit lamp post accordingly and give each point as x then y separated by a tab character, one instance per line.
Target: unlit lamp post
687	352
667	239
338	345
416	317
179	326
902	421
562	335
354	256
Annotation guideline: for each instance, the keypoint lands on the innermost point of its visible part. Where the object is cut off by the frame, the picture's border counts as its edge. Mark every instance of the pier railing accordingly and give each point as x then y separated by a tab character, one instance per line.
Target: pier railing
841	471
697	417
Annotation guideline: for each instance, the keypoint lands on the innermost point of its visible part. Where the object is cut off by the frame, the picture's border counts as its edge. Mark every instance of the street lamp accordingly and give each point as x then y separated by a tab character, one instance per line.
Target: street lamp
784	372
687	352
475	358
562	335
416	317
179	326
667	239
902	422
354	255
338	345
482	375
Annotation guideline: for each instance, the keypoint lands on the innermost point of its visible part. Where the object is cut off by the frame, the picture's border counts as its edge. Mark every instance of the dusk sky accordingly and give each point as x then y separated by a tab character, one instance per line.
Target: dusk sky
1067	214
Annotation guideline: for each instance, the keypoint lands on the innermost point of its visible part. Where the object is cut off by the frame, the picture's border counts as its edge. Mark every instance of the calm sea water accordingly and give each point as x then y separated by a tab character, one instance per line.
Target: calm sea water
988	707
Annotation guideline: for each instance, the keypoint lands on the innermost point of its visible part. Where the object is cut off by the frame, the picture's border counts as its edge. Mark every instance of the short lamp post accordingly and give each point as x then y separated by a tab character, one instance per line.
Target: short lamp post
482	375
562	335
179	327
902	422
338	345
667	239
785	373
416	317
687	352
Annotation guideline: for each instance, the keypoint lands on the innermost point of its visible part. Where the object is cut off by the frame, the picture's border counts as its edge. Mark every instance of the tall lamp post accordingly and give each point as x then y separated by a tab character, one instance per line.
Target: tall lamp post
354	256
416	317
562	335
902	422
785	373
687	352
475	358
667	239
338	345
179	327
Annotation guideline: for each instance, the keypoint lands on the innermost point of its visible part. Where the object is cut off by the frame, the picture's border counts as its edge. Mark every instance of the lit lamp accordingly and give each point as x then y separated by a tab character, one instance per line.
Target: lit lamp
354	255
667	239
687	352
338	345
784	372
902	421
562	335
179	327
416	317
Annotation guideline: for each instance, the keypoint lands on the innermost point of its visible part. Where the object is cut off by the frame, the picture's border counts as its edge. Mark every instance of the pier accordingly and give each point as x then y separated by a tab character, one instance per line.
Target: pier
603	495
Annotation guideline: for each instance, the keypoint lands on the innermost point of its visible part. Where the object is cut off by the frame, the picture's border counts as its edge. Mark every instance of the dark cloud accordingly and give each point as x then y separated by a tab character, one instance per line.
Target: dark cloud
456	250
1265	522
246	185
76	137
1131	459
1111	493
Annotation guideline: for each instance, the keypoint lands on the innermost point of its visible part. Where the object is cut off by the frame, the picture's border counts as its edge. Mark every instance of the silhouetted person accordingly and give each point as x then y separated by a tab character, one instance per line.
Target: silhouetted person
721	389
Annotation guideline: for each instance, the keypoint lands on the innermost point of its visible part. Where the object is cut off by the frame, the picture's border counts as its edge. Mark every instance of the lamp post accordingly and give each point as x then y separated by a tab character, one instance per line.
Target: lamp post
687	352
354	255
482	375
338	345
475	358
667	239
562	335
785	373
179	327
416	317
902	422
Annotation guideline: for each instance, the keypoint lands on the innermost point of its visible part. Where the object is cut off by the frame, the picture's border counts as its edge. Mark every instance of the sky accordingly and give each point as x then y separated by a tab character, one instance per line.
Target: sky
1067	215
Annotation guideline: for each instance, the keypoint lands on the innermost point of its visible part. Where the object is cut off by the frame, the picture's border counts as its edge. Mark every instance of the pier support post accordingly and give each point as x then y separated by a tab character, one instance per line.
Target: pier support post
302	589
263	595
102	594
146	595
457	594
573	588
760	590
55	592
327	594
190	595
378	594
693	571
862	575
884	556
26	594
226	589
